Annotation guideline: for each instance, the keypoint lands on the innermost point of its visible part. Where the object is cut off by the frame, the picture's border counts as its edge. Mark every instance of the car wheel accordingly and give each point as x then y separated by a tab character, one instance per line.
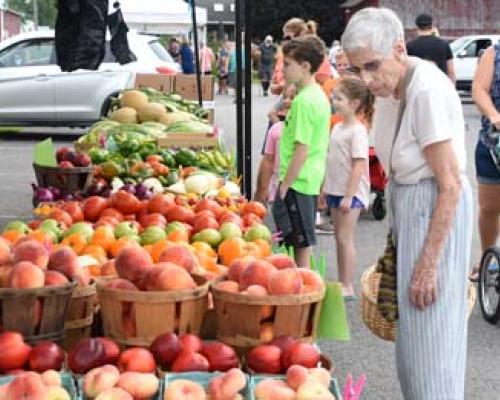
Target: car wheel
106	106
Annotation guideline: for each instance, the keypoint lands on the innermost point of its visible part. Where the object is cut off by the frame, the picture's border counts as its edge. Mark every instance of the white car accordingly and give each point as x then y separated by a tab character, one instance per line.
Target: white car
34	90
466	51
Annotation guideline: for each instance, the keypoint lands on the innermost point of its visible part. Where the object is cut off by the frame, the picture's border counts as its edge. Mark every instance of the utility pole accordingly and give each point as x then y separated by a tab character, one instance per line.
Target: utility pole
35	13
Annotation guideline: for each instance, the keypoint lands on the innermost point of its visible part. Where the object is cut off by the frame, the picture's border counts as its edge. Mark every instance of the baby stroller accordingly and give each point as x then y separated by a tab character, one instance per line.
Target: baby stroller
378	183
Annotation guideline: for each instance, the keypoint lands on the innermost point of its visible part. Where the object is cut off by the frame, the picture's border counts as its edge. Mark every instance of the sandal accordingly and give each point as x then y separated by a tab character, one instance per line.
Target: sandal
474	273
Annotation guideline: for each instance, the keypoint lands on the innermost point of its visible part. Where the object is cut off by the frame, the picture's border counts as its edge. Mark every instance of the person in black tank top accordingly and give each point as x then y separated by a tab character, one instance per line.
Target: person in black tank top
430	47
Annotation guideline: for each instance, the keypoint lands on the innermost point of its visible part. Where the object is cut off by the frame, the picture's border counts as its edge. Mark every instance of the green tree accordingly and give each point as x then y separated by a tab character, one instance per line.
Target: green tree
47	10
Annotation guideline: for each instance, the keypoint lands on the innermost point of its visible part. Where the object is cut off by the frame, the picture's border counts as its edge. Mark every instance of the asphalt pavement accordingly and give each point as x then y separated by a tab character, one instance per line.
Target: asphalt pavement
365	353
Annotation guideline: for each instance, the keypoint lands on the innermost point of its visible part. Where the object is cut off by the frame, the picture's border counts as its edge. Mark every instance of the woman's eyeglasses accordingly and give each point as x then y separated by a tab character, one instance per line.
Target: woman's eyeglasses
287	37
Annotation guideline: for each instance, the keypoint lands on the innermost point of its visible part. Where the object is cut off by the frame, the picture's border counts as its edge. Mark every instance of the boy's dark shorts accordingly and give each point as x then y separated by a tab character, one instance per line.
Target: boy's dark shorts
295	217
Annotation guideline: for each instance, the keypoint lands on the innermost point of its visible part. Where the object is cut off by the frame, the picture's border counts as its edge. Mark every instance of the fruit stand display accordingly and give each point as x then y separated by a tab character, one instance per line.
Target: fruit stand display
159	243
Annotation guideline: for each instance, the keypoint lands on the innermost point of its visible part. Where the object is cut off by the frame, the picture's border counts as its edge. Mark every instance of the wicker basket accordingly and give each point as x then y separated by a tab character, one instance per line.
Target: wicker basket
371	315
80	316
136	318
68	180
242	319
38	314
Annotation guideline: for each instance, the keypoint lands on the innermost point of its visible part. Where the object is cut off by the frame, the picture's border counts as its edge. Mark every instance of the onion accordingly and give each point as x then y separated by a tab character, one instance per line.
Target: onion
141	191
96	188
68	197
42	194
56	192
106	192
129	188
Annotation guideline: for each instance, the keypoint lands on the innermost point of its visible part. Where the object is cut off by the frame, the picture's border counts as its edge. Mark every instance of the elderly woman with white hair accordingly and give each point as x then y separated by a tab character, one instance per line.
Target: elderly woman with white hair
418	131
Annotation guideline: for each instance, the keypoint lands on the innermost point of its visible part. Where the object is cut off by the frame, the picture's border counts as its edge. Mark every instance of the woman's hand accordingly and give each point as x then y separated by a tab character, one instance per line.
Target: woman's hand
423	287
345	205
495	120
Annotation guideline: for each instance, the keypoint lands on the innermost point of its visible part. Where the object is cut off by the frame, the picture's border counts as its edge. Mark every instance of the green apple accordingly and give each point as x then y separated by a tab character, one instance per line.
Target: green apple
126	228
258	231
19	226
83	228
230	230
174	226
209	235
152	235
53	227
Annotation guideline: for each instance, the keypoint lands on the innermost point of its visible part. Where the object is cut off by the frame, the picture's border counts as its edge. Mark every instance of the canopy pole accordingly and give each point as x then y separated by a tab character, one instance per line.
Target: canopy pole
240	151
196	51
247	181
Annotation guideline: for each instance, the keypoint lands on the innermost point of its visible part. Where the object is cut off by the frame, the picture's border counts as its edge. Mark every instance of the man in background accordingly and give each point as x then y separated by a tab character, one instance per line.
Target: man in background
267	59
430	47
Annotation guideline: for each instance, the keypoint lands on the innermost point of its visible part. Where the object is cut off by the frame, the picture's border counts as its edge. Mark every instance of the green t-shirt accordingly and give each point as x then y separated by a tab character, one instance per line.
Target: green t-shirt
307	122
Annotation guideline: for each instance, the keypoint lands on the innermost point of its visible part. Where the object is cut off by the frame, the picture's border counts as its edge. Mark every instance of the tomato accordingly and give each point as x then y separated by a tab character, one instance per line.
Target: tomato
111	212
93	207
205	222
125	202
251	219
205	213
256	208
181	214
61	216
107	221
74	209
160	204
154	158
153	219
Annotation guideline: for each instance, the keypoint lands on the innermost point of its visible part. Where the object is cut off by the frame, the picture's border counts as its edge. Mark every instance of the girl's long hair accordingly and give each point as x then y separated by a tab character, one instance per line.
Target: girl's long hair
355	89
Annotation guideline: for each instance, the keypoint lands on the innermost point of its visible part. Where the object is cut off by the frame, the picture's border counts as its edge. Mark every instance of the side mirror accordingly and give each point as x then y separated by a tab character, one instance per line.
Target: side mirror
462	54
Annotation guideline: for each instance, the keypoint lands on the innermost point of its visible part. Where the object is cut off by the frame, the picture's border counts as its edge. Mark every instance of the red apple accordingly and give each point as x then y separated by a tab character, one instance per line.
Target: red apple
188	361
62	152
88	353
265	359
283	342
165	349
46	355
304	354
137	360
220	356
65	164
14	352
111	350
190	342
82	160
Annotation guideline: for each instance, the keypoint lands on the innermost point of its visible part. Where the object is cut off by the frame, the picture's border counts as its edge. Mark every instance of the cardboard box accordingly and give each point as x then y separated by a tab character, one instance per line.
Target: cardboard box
163	83
185	85
192	140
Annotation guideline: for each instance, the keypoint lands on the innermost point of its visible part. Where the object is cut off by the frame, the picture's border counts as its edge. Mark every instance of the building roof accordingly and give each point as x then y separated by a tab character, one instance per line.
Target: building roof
218	10
10	11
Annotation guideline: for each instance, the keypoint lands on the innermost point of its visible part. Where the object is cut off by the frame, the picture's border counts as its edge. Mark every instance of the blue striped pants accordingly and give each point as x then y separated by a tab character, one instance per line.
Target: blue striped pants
431	345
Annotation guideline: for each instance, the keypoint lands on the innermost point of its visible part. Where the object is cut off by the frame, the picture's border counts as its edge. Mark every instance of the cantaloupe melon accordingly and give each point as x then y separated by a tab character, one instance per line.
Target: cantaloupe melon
125	115
134	99
152	112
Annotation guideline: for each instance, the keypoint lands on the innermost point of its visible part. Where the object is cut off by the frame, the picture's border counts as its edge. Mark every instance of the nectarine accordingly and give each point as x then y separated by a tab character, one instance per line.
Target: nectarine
32	251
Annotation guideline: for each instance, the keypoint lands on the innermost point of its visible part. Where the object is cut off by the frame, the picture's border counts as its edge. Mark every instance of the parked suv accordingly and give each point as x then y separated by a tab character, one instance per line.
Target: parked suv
34	90
466	51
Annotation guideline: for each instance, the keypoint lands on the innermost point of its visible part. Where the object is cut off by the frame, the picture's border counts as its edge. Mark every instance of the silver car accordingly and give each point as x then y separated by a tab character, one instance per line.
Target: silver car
34	90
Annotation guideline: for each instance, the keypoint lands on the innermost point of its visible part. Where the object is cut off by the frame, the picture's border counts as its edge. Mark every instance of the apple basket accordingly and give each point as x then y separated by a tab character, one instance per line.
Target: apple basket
247	320
38	314
136	318
68	180
80	316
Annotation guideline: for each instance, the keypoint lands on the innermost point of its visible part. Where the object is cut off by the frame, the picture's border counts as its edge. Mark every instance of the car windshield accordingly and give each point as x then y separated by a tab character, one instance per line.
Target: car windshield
160	51
456	45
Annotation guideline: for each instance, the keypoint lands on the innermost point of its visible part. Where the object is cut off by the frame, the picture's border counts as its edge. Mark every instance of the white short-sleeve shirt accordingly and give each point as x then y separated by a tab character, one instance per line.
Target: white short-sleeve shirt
433	114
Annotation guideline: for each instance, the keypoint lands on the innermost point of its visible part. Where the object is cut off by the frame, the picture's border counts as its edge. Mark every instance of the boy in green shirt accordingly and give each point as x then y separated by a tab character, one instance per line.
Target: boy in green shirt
303	148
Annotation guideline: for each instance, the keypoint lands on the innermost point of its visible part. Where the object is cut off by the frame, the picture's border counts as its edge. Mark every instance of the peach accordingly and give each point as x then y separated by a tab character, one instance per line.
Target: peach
281	261
154	274
184	389
174	278
267	312
99	379
285	281
119	283
5	271
51	378
134	263
312	389
311	279
228	385
265	359
114	394
266	332
271	389
321	375
139	385
228	286
27	386
137	359
179	255
26	275
54	278
65	261
32	251
301	353
5	253
57	393
258	272
237	266
256	290
3	391
108	269
296	376
83	277
187	361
